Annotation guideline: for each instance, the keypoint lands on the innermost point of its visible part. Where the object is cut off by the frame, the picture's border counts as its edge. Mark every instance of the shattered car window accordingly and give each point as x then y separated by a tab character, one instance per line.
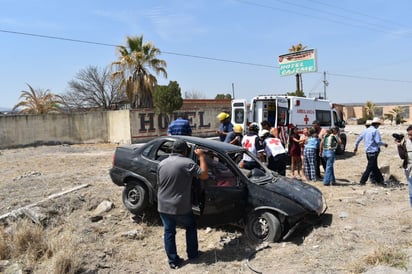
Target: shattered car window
219	172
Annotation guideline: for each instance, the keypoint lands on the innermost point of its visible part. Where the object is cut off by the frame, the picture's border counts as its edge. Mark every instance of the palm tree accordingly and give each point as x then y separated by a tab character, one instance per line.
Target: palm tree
296	48
38	101
136	59
396	114
369	110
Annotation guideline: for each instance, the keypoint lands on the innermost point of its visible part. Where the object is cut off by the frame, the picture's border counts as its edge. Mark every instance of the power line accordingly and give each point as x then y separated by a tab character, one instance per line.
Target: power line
361	23
360	13
331	13
368	78
112	45
57	38
345	23
191	56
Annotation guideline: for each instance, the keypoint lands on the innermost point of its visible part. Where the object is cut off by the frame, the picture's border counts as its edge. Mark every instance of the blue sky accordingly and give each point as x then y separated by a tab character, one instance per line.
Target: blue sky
364	46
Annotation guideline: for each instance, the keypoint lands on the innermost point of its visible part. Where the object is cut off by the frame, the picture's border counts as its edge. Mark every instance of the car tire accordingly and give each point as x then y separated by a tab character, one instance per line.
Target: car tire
135	198
263	226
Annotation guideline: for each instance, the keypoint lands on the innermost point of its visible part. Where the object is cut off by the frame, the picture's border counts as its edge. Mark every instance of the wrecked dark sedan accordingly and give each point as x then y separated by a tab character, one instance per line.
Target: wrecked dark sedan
269	206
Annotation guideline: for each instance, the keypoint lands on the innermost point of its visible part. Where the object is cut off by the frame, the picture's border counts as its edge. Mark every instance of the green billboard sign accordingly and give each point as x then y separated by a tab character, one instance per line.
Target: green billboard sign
298	62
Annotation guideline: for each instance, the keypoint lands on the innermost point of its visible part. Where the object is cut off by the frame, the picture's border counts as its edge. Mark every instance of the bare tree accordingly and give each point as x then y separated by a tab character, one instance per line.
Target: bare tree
192	94
93	88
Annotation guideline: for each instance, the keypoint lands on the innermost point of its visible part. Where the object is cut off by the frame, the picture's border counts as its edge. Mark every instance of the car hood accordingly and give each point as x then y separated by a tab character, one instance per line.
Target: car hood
306	195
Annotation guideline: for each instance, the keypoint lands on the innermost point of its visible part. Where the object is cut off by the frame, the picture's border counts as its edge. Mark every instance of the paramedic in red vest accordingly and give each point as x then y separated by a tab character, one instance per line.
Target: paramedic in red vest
252	143
275	152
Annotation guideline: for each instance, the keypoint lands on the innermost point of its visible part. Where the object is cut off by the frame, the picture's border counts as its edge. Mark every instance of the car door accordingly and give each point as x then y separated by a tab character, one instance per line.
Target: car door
153	155
224	193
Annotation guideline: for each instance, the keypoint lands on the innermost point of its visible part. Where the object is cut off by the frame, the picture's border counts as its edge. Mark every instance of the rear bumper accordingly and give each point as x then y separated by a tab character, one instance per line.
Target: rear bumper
116	174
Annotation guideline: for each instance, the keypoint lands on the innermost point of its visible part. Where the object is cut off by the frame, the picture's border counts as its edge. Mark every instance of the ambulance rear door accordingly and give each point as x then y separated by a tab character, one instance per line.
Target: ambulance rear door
240	113
302	112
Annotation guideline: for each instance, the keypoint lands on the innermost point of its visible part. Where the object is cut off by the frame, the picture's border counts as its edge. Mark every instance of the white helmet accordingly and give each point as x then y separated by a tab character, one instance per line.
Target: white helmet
264	133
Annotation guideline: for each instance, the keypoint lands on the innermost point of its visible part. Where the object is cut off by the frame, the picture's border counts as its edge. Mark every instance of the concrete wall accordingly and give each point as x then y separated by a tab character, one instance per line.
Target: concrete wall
121	126
26	130
358	111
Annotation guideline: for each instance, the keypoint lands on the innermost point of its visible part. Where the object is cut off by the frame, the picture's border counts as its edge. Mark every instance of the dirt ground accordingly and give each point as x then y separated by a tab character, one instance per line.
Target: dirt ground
365	229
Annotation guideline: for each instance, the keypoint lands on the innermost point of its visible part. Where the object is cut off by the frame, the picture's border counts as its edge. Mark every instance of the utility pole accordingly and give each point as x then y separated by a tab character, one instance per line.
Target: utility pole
297	82
233	90
325	84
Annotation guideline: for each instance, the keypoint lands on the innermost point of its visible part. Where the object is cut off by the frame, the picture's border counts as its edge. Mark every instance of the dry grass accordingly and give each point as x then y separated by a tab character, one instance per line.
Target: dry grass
28	240
391	256
64	251
4	246
382	255
30	244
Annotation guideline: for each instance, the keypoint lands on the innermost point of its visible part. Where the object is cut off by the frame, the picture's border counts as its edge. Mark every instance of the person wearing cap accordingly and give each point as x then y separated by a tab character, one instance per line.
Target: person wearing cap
372	143
275	152
225	126
327	149
235	137
405	153
180	126
368	123
174	180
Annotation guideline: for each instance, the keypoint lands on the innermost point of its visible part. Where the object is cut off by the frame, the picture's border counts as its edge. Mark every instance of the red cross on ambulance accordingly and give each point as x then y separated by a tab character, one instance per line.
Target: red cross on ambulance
306	119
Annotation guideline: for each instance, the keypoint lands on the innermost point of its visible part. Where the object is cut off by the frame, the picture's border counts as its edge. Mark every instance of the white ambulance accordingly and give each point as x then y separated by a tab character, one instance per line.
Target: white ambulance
285	112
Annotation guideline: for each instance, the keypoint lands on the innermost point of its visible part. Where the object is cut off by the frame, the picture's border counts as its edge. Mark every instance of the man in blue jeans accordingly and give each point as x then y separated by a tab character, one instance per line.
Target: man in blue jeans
327	149
175	175
372	142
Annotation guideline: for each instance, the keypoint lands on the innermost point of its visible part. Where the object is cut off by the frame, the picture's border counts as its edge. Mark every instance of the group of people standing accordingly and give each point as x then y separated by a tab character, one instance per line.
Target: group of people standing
311	149
308	150
315	146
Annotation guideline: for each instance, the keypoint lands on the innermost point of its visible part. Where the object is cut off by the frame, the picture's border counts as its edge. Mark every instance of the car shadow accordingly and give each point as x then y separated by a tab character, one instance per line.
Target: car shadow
307	226
234	245
150	217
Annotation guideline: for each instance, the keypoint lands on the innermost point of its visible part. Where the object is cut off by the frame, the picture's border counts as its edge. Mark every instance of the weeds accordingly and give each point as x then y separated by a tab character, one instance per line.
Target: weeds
29	239
28	243
390	256
4	247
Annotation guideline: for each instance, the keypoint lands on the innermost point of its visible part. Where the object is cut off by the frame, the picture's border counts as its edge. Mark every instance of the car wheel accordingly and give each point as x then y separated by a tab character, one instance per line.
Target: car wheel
135	198
263	227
